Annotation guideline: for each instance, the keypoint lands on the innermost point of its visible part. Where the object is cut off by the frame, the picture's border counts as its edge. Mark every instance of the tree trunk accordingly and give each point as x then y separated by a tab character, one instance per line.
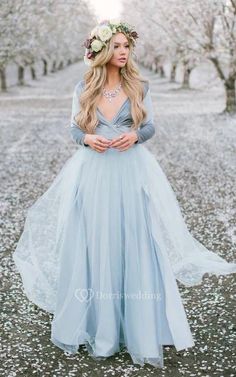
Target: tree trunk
185	83
21	72
172	75
45	67
33	72
161	71
3	79
156	60
60	66
229	87
54	66
230	95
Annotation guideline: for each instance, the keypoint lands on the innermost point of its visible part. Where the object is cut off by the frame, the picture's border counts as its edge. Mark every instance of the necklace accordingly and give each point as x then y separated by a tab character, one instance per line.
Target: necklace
111	93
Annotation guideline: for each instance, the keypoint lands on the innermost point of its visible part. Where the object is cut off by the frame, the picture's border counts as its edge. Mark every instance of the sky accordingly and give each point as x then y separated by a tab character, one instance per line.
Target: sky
106	9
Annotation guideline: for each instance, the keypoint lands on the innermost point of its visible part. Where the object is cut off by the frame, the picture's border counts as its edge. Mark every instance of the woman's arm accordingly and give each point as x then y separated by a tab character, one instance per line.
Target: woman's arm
145	132
76	133
147	129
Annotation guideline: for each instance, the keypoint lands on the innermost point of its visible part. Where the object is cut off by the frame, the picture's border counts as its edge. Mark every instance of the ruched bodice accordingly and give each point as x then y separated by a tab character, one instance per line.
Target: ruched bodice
120	123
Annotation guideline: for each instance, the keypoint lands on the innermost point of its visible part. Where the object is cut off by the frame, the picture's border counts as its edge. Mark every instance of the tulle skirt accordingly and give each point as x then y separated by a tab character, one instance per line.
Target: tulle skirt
102	249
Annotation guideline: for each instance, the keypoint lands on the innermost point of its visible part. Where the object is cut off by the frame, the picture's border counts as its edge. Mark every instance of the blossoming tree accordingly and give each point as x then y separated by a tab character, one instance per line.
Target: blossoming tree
188	33
47	31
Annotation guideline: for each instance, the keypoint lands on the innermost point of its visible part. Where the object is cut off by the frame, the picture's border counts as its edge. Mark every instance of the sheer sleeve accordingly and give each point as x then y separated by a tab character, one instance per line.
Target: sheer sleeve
147	128
76	133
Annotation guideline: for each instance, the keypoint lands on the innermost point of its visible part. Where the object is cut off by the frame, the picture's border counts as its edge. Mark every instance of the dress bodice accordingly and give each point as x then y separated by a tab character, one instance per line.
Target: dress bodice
120	123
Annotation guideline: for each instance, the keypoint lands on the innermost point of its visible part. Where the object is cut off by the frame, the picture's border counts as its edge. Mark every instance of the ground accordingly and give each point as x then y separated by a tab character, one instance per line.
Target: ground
195	145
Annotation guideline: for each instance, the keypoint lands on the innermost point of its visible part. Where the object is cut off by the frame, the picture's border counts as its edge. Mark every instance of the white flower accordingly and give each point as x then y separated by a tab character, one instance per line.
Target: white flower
94	32
87	61
115	21
96	45
104	33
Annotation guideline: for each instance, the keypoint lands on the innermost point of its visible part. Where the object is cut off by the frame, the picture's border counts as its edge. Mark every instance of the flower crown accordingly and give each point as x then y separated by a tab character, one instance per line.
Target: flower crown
102	33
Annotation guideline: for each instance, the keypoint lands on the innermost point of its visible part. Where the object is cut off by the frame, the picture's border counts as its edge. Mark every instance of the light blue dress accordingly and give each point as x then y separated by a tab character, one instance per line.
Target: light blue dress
103	246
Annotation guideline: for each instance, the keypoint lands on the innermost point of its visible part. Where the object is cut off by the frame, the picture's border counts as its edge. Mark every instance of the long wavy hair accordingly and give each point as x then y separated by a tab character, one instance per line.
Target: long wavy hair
95	78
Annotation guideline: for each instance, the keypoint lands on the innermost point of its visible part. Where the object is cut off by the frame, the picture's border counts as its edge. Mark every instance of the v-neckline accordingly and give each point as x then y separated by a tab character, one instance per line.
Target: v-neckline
118	112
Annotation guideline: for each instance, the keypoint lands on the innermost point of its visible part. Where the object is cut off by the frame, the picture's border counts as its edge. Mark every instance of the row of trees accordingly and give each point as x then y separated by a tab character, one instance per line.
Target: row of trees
180	31
188	32
49	31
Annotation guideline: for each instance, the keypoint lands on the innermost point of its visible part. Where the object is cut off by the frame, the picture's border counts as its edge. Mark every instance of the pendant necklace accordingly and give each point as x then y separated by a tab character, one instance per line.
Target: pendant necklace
111	93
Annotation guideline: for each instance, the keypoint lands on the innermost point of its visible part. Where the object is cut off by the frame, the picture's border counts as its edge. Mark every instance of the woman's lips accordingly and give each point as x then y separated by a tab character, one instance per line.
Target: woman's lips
122	59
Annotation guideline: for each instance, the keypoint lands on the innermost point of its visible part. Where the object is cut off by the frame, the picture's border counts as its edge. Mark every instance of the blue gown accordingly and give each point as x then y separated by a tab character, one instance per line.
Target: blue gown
103	247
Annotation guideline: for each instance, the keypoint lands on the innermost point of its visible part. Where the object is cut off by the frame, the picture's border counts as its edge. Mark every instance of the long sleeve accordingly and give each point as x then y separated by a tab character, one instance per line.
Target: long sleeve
147	128
76	133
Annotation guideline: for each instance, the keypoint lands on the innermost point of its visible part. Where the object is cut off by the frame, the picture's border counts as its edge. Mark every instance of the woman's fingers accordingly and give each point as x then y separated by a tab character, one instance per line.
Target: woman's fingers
119	141
101	144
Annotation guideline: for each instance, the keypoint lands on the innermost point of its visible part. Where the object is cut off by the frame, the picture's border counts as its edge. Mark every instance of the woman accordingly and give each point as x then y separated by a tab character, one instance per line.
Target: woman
104	245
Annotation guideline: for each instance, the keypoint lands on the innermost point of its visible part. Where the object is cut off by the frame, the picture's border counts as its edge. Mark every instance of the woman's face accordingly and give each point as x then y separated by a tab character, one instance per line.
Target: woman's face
121	50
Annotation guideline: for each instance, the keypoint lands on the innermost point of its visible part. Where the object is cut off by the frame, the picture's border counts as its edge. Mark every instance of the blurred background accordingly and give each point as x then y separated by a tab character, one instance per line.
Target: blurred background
187	51
190	42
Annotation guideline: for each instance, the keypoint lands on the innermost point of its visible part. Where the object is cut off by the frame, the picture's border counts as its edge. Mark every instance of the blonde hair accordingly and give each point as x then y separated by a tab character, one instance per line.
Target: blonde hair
95	79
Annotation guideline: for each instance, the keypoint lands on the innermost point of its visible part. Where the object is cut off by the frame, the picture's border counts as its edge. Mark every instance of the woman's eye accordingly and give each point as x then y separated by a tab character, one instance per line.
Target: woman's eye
118	46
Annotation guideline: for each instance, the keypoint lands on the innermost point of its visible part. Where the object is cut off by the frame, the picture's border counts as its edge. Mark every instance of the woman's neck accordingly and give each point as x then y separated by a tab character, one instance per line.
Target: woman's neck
113	77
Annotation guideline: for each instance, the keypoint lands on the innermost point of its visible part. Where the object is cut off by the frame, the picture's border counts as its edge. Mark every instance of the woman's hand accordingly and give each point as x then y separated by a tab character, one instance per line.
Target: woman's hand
97	142
124	143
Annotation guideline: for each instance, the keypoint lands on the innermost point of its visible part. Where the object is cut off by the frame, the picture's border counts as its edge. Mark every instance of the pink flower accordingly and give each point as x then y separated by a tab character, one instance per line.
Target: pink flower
87	43
103	22
134	34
